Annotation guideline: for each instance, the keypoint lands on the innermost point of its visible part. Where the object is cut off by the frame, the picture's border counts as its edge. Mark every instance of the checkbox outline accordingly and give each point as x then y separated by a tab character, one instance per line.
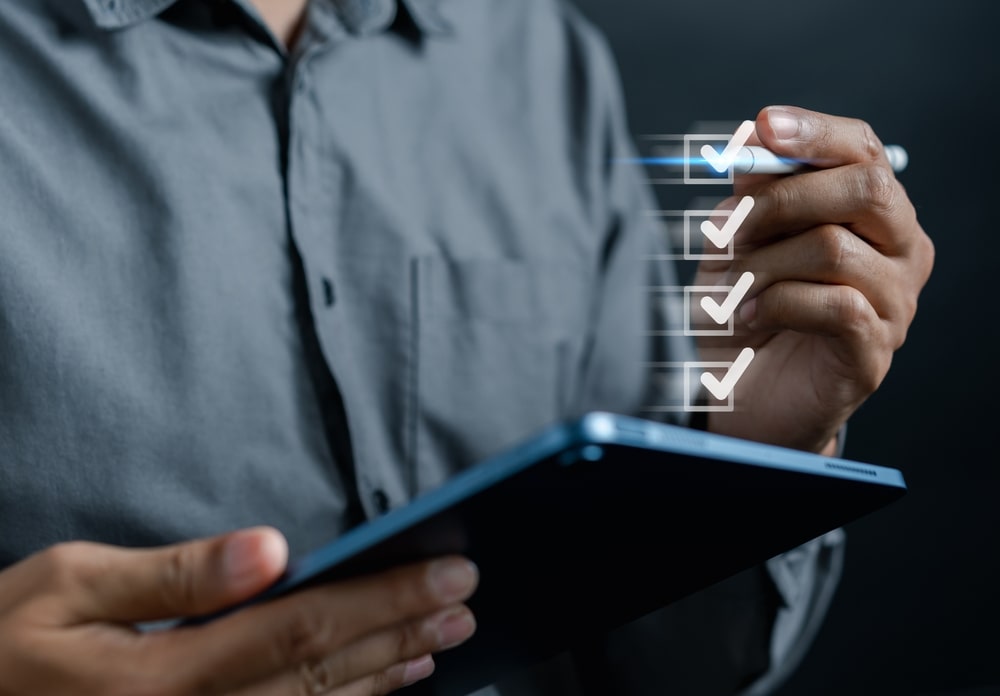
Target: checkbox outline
690	255
688	407
684	253
706	138
690	290
701	366
687	291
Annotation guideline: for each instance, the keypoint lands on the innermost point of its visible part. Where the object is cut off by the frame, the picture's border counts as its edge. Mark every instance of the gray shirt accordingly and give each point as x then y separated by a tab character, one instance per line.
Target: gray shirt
243	287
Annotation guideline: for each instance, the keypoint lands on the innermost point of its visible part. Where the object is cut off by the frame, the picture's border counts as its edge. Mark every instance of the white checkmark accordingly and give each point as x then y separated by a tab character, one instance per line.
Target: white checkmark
721	237
720	162
720	313
721	389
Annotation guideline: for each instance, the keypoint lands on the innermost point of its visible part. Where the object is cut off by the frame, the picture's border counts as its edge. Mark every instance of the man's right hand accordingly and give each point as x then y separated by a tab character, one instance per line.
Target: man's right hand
67	619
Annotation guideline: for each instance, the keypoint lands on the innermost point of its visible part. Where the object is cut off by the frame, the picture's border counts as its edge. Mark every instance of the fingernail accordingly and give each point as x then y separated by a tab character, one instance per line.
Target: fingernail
454	627
250	556
418	669
748	312
453	579
786	125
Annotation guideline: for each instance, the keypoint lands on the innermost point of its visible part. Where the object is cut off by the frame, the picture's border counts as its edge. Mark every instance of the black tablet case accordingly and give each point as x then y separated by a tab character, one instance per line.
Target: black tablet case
617	517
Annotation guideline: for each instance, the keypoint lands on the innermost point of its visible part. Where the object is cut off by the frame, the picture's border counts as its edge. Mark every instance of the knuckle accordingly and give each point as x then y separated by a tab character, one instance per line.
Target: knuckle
898	336
315	677
410	639
871	146
408	590
871	379
382	683
838	247
67	563
908	310
852	311
302	638
68	554
773	304
879	188
927	253
779	201
178	582
824	131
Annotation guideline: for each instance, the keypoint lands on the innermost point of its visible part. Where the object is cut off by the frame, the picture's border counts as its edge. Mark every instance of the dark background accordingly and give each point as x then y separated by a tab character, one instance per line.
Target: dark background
918	609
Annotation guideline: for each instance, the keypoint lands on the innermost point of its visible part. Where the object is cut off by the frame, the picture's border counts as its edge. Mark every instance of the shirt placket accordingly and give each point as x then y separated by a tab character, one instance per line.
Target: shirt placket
313	187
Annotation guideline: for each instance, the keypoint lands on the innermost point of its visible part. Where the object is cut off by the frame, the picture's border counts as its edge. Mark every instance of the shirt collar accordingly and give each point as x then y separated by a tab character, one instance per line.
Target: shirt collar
428	17
358	15
115	14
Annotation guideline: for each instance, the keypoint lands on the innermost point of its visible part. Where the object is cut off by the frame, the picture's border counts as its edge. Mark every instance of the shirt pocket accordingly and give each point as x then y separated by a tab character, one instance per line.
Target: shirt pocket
498	344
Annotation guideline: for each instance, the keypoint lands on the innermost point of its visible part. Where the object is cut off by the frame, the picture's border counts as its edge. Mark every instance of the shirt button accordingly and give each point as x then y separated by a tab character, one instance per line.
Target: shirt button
381	501
329	297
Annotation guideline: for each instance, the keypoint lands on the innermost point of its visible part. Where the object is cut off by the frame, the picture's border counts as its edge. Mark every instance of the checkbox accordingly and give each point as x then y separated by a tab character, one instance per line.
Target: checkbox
679	311
697	322
696	398
695	248
696	170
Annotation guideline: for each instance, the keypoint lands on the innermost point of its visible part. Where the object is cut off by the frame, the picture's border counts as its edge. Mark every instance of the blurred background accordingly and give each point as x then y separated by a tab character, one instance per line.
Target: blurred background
918	611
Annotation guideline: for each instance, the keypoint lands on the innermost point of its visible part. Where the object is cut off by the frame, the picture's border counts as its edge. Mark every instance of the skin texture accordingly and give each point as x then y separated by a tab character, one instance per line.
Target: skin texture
67	615
839	260
283	17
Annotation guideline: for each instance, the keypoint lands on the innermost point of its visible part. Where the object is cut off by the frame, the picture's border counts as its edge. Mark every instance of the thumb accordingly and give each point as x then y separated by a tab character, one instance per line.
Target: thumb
189	579
819	140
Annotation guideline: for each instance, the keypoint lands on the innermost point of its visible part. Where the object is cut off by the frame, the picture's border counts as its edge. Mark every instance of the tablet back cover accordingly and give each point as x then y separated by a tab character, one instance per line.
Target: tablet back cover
617	518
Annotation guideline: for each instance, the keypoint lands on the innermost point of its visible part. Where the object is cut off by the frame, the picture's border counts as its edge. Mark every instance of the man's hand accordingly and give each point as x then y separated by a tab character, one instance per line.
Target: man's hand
838	260
67	615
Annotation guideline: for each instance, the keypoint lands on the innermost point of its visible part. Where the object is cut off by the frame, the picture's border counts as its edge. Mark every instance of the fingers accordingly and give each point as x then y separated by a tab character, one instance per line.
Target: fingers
444	630
832	255
866	198
828	255
836	311
369	635
379	663
392	679
856	187
103	583
376	621
820	140
851	184
385	682
812	308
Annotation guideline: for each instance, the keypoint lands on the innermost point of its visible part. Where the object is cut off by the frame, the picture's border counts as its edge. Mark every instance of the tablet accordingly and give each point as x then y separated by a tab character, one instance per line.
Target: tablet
596	522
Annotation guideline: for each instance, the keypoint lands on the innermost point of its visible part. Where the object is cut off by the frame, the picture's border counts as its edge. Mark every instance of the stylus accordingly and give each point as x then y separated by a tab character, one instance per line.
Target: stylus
753	159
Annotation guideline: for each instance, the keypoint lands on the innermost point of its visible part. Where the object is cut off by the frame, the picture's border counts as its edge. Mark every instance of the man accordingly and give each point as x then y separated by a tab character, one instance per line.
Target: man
270	263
